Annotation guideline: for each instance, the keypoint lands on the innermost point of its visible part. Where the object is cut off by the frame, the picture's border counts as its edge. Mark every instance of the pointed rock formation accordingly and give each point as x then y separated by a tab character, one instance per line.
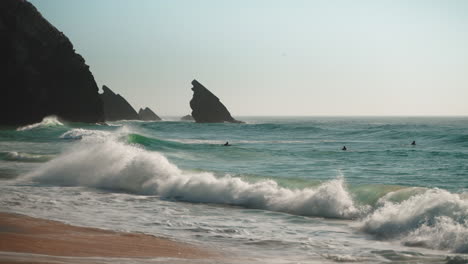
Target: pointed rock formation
206	107
148	115
116	107
187	118
40	72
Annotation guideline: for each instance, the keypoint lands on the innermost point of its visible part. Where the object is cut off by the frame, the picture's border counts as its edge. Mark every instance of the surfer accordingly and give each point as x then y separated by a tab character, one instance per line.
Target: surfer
227	144
413	143
344	148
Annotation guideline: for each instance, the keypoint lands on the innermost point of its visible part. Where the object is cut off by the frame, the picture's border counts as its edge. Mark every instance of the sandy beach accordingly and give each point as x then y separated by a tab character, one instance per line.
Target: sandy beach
23	234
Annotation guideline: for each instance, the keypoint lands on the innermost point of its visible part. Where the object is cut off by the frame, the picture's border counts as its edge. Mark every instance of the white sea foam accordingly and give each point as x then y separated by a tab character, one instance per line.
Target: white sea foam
26	157
48	121
114	165
342	258
85	134
436	219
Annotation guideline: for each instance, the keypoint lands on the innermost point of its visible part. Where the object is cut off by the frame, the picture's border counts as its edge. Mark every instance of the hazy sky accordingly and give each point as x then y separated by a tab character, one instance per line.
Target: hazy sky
268	57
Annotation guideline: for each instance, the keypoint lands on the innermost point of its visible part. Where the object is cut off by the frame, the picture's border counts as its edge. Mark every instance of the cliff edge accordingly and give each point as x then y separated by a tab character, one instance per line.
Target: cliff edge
40	72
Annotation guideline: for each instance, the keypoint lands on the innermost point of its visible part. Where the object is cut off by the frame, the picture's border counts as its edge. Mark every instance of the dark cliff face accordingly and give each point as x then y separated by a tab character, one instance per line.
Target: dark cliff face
206	107
40	73
148	115
116	107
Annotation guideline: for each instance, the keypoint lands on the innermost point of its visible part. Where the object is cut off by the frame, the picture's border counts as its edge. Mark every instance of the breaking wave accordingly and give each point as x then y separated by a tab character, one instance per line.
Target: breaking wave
422	217
435	219
116	166
48	121
86	134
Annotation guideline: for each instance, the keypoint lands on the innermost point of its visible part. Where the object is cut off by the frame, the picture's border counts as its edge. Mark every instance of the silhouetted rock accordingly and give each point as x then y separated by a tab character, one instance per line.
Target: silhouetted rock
116	107
206	107
148	115
40	73
187	118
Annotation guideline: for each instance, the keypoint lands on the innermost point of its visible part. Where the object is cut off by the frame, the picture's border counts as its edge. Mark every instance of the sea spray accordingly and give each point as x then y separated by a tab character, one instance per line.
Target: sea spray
23	157
442	233
48	121
435	219
86	134
113	165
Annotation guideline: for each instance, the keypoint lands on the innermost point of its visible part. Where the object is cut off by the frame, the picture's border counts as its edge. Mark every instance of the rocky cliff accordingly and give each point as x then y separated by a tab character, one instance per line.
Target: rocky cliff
207	108
40	72
148	115
116	107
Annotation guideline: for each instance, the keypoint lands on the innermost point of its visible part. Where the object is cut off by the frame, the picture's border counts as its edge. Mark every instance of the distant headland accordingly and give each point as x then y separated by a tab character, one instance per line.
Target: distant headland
42	75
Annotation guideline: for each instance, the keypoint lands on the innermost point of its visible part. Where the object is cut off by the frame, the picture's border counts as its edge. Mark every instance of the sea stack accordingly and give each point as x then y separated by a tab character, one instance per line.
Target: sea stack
187	118
148	115
40	72
116	107
207	108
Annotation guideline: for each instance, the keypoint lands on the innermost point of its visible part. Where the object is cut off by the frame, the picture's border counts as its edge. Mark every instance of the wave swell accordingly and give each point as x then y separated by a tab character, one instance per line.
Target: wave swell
117	166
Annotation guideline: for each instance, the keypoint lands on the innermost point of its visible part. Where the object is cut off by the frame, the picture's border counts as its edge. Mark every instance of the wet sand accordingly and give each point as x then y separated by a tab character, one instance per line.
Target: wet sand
23	234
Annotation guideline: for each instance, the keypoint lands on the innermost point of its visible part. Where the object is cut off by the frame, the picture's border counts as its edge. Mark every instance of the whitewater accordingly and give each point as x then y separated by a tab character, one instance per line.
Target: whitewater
284	192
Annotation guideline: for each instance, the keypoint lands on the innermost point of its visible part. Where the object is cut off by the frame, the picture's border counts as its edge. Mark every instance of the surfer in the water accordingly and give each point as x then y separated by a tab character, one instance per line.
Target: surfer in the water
413	143
344	148
227	144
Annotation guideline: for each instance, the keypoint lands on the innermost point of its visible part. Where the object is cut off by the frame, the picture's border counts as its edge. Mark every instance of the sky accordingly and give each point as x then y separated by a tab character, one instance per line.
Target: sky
276	57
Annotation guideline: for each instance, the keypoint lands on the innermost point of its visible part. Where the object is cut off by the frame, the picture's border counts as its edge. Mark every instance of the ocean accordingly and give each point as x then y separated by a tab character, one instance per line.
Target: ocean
283	192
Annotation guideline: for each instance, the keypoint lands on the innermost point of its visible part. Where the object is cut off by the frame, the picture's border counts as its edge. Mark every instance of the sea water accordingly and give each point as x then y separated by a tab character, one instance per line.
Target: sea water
283	192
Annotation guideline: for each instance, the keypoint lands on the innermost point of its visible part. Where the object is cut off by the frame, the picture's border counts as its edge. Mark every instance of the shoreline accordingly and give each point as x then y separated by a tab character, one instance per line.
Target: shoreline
24	235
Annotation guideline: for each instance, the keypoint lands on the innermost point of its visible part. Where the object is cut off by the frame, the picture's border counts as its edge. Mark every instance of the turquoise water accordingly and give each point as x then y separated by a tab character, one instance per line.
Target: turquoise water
284	183
379	150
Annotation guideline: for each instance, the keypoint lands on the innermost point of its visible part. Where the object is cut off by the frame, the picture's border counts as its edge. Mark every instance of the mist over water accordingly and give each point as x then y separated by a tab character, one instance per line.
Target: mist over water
284	183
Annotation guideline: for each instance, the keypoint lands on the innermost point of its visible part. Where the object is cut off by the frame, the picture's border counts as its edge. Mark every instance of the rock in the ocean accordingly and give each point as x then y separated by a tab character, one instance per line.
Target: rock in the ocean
116	107
40	72
187	118
148	115
206	107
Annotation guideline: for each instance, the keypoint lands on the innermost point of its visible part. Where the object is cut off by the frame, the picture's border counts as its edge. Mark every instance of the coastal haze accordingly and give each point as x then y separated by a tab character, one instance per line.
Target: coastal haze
276	57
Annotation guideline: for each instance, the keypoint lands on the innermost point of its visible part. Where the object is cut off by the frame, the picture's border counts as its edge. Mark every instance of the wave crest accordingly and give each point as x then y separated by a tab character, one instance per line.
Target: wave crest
80	133
117	166
48	121
435	219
